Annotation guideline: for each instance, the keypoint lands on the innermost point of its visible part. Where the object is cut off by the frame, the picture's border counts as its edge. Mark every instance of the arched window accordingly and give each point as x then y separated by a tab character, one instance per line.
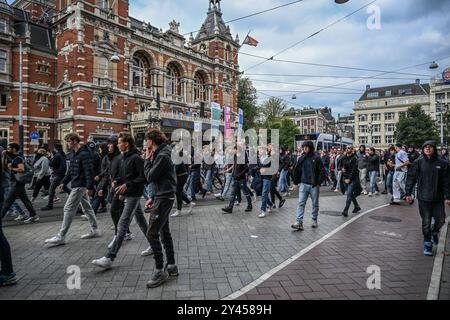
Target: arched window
199	87
228	53
173	83
139	71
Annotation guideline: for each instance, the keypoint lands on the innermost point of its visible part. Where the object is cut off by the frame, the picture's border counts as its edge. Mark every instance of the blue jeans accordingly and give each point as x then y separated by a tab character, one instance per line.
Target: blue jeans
266	186
305	191
228	180
195	183
209	180
389	181
282	183
350	198
237	186
373	181
148	191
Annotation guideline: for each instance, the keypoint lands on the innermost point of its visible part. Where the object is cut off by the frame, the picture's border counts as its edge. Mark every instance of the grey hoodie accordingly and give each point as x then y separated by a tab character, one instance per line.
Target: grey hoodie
42	167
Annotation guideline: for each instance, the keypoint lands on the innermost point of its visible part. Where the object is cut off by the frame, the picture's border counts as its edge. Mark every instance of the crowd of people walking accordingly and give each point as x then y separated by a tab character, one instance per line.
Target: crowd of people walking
118	175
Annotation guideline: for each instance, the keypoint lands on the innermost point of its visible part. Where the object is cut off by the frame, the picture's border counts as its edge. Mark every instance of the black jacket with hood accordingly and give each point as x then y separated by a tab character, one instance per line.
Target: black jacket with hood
131	172
318	174
81	171
111	166
161	171
432	176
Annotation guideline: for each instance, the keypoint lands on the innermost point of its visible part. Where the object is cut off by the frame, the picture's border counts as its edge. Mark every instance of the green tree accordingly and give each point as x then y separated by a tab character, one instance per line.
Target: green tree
416	127
247	101
287	130
273	108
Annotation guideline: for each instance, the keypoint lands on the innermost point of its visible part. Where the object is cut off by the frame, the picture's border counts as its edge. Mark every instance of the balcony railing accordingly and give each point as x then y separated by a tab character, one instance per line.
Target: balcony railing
65	113
143	91
142	116
105	82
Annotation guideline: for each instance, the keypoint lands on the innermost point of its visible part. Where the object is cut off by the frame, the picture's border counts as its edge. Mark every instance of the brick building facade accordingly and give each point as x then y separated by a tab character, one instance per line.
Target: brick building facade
90	68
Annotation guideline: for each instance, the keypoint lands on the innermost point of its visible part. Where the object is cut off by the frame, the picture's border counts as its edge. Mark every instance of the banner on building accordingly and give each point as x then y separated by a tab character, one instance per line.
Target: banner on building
216	114
197	127
240	123
228	130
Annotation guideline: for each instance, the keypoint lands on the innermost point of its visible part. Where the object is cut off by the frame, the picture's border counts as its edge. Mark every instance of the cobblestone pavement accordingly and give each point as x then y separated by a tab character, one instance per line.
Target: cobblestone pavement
217	254
388	238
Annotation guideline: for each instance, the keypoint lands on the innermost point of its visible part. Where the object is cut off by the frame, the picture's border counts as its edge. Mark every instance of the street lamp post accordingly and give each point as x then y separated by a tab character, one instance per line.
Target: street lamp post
21	138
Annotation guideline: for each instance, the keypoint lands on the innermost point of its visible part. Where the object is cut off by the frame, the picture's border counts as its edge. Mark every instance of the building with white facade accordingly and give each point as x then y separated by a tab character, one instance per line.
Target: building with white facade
379	109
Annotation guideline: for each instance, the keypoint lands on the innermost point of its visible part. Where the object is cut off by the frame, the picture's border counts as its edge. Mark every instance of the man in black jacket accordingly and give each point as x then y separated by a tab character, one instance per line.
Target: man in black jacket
240	171
81	177
129	184
432	176
160	170
349	183
373	168
59	168
309	174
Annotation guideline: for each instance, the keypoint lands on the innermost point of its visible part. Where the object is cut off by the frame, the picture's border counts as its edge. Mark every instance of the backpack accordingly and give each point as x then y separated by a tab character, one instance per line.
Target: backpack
26	176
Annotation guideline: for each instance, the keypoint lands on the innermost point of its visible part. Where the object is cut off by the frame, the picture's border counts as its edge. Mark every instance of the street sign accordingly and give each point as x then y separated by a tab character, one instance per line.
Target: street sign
35	135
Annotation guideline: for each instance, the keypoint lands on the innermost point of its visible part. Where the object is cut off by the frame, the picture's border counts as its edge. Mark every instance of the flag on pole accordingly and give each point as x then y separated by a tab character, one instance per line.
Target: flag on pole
251	41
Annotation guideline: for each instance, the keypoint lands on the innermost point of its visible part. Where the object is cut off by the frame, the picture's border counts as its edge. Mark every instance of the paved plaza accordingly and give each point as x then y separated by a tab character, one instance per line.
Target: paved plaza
237	256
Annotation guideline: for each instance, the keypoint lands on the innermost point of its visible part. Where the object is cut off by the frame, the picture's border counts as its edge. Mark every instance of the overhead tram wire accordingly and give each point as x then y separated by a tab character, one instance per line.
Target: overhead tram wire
331	66
303	84
253	14
371	77
311	35
340	84
325	76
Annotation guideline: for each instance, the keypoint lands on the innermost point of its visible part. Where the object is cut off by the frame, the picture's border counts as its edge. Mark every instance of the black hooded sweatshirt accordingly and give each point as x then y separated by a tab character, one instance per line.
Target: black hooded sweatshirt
131	172
311	162
432	176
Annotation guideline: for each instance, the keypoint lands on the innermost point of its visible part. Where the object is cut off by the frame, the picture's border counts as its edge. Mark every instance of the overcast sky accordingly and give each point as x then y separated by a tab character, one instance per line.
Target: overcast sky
412	32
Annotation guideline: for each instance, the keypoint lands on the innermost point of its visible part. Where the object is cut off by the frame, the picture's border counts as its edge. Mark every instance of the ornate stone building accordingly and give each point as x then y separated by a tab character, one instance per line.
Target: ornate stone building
90	68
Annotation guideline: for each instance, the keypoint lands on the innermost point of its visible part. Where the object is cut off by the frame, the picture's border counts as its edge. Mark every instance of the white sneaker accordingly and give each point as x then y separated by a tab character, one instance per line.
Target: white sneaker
269	210
31	220
111	243
336	190
147	252
376	193
237	203
94	233
262	215
217	195
370	194
175	214
21	218
365	193
104	263
128	236
84	217
191	207
56	240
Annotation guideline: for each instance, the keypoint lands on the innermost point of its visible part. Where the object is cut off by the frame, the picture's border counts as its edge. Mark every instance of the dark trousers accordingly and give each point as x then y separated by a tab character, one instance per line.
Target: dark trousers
44	182
99	200
55	182
239	185
5	253
350	197
17	192
196	184
181	196
116	210
274	192
159	231
429	210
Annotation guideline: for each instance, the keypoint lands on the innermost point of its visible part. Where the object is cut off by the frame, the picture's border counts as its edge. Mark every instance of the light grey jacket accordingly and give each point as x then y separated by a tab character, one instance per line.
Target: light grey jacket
42	168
